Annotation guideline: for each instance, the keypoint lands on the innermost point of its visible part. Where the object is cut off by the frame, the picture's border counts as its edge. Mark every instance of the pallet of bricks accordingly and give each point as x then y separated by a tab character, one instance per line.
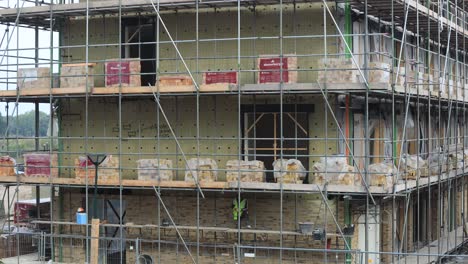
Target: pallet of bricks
382	174
124	72
412	167
77	75
7	166
108	169
175	83
273	69
155	169
379	72
245	171
337	70
219	81
41	165
334	170
33	78
289	171
201	170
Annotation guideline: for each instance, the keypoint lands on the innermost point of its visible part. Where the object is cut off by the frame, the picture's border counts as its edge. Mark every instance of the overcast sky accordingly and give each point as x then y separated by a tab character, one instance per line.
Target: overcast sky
8	60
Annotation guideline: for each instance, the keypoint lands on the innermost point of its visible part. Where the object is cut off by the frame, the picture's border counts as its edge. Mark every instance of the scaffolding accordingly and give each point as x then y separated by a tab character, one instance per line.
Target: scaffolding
339	126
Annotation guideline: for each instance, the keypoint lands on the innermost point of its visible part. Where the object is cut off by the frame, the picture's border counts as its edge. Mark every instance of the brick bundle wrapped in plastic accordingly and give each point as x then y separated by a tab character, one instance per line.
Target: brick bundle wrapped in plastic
412	166
7	166
334	170
289	171
249	171
202	169
155	169
437	163
382	174
348	72
108	169
457	159
40	165
33	78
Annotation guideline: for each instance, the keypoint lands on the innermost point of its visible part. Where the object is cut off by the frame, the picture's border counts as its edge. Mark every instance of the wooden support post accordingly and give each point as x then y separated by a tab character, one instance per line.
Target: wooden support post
94	241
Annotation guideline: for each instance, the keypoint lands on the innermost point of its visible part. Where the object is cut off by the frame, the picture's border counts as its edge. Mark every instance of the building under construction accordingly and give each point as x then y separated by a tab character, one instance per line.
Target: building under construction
248	131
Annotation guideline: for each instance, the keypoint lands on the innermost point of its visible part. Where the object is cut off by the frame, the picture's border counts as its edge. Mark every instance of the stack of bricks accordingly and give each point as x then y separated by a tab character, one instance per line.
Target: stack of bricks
202	169
413	167
33	78
74	75
108	169
249	171
41	165
409	79
337	71
175	80
125	72
379	72
289	171
428	82
155	169
382	174
229	77
334	170
7	166
273	69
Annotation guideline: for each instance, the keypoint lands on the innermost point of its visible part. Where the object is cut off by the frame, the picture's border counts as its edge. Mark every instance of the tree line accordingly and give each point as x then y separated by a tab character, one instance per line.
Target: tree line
24	124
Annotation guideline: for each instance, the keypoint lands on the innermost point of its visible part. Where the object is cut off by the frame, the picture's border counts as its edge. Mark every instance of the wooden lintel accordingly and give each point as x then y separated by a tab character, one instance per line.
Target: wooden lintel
94	241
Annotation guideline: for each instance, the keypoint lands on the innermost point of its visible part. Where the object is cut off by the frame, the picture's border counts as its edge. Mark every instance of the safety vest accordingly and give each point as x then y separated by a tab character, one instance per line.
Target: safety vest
237	210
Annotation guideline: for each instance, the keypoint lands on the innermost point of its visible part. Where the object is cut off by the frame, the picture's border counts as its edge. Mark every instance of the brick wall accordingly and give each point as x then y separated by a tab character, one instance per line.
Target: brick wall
215	211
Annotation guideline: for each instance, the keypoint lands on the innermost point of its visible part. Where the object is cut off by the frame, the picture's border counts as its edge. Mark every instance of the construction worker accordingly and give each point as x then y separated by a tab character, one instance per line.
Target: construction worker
240	211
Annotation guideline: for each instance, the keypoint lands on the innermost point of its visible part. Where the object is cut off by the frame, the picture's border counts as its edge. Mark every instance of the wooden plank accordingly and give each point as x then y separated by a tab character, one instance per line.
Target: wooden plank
184	227
8	93
124	90
176	88
94	241
79	64
218	87
74	90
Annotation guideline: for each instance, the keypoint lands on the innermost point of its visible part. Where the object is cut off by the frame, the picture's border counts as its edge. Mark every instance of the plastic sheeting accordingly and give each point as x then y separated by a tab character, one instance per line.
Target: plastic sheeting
382	174
335	170
289	171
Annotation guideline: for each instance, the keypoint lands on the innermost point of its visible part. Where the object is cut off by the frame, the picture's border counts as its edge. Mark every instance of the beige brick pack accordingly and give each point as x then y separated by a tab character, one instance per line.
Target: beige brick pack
215	211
